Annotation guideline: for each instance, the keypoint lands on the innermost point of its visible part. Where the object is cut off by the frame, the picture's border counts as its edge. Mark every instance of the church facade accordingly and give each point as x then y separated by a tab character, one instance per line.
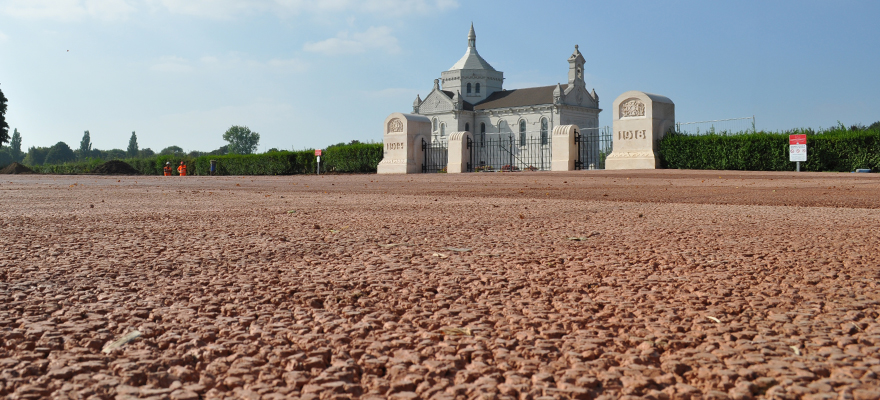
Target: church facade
471	97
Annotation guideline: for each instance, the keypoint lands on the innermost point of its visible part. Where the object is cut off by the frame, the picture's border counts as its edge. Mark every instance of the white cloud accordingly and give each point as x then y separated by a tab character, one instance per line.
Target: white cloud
3	37
172	64
69	10
112	10
374	38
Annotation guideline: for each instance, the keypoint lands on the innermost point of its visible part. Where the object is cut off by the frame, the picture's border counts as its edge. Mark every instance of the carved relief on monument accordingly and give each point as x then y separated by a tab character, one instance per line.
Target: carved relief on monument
395	125
632	108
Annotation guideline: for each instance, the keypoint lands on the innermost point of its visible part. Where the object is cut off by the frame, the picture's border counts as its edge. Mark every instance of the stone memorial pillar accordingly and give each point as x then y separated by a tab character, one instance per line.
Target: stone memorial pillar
640	121
563	148
402	152
459	153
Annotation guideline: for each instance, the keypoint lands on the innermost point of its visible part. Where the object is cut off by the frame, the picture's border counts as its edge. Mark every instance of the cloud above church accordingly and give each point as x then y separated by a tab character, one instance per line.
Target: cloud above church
116	10
69	10
373	39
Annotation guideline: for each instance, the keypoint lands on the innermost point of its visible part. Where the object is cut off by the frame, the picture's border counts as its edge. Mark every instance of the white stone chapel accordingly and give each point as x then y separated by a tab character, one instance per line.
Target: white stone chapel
470	96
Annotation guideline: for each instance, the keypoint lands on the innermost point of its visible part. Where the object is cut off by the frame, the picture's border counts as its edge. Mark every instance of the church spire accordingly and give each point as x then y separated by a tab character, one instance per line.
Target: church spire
472	37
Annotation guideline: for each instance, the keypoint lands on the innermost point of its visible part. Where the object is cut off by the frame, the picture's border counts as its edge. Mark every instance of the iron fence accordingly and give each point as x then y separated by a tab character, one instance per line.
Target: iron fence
436	156
727	127
508	153
594	145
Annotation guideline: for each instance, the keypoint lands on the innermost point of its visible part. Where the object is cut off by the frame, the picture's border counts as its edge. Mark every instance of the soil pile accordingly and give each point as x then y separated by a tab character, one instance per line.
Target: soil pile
116	167
16	168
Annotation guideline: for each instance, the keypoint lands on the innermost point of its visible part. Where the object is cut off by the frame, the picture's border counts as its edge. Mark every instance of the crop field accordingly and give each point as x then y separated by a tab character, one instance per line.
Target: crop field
534	285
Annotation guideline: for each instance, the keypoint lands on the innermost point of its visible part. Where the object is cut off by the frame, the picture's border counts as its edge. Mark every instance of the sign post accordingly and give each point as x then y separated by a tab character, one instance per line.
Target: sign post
797	149
318	154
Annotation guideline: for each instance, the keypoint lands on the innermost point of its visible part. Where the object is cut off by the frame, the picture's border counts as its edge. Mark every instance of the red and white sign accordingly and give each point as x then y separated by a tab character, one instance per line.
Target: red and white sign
797	139
318	153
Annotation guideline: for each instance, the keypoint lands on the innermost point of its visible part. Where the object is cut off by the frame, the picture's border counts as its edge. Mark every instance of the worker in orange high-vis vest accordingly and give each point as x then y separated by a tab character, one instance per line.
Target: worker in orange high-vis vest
167	169
182	169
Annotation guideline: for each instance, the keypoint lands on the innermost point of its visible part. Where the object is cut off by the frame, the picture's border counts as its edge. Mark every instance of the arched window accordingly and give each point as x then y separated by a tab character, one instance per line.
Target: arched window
469	88
435	125
478	88
467	127
522	133
442	129
544	131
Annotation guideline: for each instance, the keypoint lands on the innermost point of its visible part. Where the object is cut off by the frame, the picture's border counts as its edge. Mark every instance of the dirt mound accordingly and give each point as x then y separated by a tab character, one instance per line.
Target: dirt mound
116	167
16	168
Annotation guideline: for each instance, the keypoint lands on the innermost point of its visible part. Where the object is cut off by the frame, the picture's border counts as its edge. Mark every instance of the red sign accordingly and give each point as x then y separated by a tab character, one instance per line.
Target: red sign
318	153
797	139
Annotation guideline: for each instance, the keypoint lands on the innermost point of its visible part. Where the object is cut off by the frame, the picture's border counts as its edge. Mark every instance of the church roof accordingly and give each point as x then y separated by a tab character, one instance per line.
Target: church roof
517	98
464	104
472	59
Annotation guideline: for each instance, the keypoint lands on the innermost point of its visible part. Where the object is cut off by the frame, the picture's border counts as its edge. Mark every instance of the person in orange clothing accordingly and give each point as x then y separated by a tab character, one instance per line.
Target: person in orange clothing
182	169
167	169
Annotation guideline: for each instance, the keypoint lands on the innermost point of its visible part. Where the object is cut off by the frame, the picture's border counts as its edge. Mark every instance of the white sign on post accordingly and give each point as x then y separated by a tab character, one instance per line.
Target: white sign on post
797	152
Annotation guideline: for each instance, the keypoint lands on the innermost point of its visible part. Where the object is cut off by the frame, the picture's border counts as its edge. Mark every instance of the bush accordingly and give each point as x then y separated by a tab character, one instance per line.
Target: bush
836	149
355	157
275	163
350	158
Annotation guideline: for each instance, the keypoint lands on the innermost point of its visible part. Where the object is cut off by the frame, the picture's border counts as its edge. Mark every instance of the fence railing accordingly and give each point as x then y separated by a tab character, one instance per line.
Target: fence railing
730	126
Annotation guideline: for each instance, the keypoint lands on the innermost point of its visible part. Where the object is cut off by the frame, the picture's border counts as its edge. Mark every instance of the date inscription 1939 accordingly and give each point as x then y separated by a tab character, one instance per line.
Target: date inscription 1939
636	134
394	146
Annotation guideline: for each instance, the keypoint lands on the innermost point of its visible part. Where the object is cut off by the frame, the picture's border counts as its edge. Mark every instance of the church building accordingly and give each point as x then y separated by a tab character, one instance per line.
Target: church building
470	96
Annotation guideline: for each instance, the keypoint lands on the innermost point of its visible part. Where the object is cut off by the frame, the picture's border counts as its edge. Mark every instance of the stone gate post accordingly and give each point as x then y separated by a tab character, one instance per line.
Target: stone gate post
640	121
459	153
563	147
402	152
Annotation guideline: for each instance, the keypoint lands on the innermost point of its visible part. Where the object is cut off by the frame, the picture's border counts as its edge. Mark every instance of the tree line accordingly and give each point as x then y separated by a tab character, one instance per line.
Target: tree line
241	140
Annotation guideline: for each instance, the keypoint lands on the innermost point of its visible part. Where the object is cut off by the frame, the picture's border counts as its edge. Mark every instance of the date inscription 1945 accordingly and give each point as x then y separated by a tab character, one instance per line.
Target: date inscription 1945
394	146
627	135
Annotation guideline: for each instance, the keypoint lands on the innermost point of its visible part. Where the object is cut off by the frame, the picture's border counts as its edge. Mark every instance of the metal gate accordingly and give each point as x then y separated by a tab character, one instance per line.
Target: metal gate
436	157
506	153
593	147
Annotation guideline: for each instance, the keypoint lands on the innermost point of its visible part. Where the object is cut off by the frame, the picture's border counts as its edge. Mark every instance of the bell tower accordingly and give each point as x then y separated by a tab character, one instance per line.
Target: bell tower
576	68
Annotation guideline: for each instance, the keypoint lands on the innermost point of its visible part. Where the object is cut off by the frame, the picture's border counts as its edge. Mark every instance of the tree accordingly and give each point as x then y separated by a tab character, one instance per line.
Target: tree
15	145
146	152
85	146
114	154
241	140
35	156
223	150
59	153
133	145
171	151
4	127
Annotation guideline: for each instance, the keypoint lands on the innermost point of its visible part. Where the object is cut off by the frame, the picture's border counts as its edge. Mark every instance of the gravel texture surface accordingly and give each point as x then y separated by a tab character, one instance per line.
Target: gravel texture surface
592	284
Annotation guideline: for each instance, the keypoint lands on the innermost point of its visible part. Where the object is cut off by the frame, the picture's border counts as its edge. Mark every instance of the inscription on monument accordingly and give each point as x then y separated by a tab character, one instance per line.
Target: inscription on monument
394	146
632	108
628	135
395	125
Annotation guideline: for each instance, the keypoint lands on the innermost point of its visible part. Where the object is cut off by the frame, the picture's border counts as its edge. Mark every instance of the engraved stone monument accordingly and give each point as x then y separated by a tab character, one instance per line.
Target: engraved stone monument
640	121
402	152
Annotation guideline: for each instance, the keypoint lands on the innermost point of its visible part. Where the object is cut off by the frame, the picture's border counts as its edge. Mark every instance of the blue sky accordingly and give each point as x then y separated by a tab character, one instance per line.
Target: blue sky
312	73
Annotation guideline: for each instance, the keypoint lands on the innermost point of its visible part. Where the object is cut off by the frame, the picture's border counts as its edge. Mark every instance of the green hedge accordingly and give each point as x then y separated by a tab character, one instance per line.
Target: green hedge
836	149
350	158
357	157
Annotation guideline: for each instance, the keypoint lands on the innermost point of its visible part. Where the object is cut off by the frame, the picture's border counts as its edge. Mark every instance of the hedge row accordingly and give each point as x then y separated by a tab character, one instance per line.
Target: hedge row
352	158
836	149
